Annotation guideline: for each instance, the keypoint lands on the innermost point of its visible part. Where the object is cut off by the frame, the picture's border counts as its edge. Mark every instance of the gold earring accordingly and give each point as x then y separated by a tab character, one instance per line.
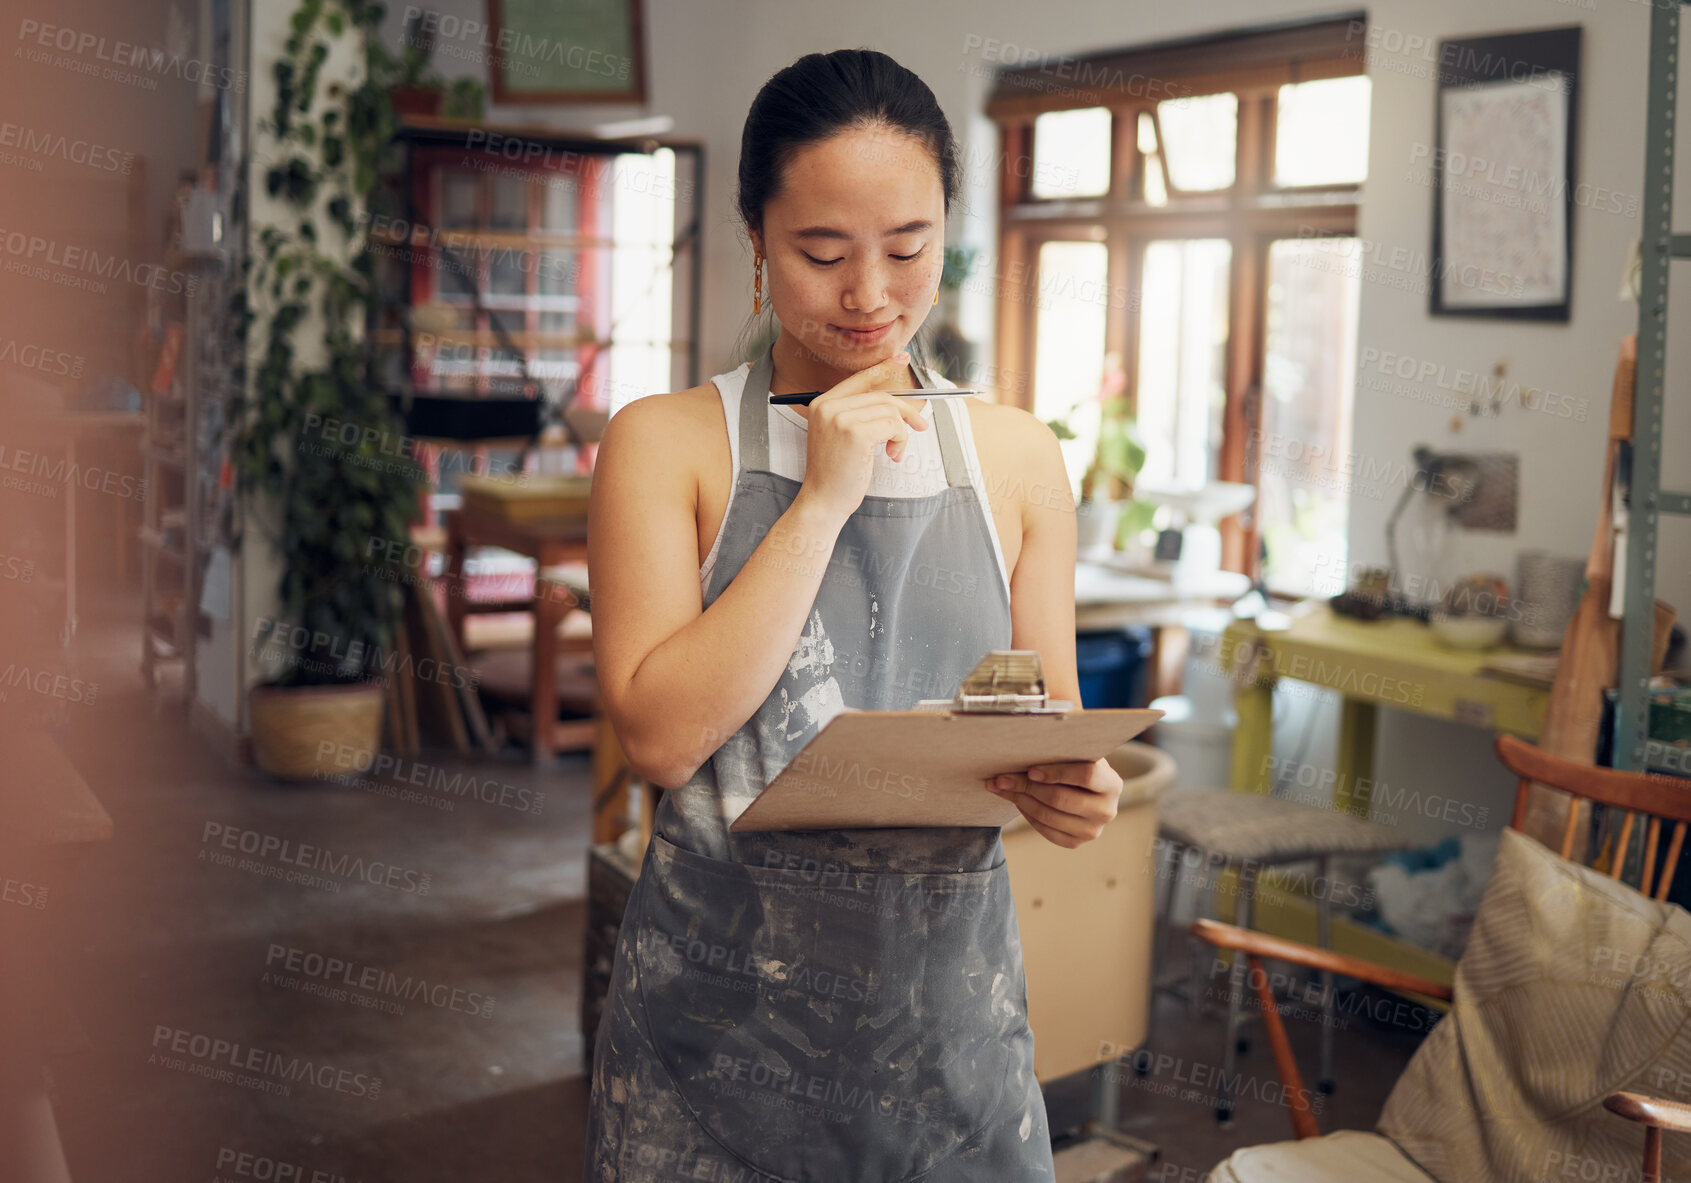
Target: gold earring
936	297
757	284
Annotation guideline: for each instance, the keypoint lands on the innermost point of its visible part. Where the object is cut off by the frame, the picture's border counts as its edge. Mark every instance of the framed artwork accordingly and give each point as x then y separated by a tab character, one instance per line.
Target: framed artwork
581	51
1502	175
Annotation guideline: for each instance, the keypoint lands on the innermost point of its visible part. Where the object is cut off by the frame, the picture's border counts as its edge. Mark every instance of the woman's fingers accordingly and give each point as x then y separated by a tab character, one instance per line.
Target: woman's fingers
1088	774
1049	818
1065	813
1065	829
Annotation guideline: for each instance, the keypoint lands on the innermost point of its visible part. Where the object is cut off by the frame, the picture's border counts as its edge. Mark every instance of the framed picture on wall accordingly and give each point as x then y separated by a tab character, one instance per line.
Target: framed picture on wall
583	51
1502	175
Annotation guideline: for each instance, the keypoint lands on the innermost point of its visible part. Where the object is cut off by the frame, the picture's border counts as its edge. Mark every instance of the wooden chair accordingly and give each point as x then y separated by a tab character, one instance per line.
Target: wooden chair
1658	798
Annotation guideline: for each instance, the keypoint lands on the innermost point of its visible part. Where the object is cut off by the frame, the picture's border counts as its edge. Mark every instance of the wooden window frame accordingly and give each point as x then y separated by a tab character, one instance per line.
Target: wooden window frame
1250	215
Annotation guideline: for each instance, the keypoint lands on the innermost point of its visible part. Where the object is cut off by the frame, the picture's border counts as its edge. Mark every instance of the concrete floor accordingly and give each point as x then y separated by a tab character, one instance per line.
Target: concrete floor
160	949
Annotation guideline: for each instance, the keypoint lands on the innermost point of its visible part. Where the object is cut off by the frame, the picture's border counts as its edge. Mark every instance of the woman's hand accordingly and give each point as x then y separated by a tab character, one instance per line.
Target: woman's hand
1068	803
847	425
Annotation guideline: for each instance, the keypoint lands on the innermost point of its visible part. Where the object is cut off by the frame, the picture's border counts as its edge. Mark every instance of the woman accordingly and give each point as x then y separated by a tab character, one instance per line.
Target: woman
849	1004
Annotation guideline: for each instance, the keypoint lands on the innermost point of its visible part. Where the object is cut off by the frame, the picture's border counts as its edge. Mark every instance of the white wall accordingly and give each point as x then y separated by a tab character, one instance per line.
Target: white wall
707	61
224	662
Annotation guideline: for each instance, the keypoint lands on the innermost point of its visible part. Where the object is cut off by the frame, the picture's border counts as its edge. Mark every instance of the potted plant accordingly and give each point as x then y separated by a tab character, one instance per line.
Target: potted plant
320	503
1107	513
416	89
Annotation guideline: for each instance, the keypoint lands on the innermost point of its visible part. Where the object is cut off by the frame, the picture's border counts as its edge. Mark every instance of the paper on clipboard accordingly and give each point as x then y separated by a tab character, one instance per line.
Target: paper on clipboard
925	767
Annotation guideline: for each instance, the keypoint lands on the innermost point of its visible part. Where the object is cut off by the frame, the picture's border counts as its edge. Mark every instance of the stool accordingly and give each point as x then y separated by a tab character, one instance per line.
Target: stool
558	590
1249	831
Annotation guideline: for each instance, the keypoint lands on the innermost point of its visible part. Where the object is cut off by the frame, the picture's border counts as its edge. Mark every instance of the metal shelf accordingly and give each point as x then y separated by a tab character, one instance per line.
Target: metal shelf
1647	500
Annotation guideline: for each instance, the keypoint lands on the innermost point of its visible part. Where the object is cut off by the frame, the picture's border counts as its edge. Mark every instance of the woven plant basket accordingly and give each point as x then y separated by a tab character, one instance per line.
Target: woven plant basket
311	732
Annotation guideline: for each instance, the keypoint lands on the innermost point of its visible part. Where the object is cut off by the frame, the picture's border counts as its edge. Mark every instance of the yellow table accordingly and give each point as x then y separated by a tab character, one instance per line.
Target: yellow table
1392	662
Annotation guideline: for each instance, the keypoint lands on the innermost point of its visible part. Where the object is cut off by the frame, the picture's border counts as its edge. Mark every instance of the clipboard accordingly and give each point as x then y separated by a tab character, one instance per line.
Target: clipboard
925	767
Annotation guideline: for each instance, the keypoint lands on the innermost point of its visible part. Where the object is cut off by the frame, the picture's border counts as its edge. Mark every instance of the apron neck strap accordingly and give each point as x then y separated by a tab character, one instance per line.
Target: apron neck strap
755	410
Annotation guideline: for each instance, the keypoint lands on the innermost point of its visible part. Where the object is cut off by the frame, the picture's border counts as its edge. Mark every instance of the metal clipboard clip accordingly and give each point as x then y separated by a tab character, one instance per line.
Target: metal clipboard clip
1004	682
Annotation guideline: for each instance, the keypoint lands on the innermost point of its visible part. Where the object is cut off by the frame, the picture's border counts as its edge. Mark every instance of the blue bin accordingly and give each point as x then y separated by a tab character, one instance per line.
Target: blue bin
1112	667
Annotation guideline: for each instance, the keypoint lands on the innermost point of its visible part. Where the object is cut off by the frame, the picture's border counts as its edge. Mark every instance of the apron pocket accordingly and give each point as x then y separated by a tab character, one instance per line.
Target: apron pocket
831	1025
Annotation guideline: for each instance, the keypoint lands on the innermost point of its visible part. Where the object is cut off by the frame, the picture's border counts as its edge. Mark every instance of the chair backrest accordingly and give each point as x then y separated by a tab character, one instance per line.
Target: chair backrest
1658	798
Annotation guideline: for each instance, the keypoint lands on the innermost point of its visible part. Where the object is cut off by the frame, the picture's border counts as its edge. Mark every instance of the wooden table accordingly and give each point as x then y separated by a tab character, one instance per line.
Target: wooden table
548	541
1393	662
1109	597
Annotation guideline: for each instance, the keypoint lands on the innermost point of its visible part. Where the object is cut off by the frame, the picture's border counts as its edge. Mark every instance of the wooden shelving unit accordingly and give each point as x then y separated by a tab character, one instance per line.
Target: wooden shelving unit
182	427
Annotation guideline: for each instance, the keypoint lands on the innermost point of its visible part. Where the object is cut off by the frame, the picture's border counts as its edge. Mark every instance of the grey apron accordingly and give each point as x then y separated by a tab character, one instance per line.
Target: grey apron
846	1005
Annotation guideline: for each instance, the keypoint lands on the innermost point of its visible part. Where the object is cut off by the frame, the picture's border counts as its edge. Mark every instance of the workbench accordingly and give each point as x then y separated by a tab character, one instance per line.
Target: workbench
1394	662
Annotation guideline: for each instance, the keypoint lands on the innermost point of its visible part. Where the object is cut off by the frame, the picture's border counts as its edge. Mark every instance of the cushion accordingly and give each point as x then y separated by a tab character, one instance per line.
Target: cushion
1572	986
1347	1156
1253	826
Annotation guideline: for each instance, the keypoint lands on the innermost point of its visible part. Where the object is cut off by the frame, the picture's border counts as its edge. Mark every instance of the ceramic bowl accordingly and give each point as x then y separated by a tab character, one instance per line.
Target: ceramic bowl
1467	632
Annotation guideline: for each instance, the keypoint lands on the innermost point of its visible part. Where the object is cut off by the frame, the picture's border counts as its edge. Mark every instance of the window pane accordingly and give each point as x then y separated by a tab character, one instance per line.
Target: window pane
1309	369
507	276
1071	153
1321	132
1069	340
1199	136
510	203
1182	360
458	268
458	193
558	204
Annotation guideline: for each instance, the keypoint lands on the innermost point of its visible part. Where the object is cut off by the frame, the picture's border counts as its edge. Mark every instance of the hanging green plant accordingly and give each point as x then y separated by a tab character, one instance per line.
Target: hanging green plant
318	453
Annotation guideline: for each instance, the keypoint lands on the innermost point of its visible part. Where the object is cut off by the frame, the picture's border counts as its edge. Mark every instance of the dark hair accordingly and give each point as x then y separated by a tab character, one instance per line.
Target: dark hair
823	94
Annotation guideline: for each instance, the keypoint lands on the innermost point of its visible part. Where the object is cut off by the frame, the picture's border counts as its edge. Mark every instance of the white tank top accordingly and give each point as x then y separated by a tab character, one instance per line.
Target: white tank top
920	474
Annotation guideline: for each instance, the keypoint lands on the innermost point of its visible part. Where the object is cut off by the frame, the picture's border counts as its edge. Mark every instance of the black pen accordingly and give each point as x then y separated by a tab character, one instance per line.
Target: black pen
803	398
